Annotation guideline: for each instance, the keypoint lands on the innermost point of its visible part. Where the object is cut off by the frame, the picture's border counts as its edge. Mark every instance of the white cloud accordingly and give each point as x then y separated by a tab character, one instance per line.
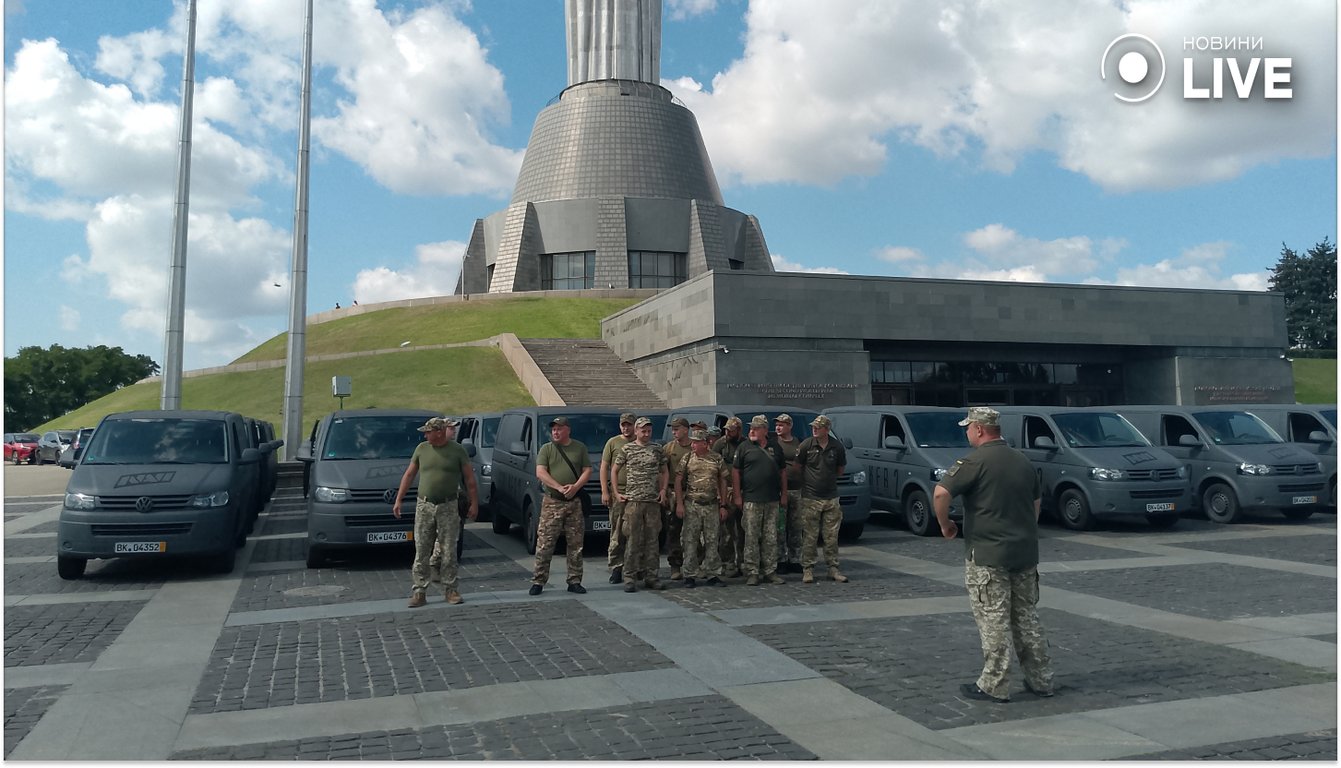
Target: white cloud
898	254
781	264
684	9
1196	267
1001	245
434	273
135	59
1004	79
68	318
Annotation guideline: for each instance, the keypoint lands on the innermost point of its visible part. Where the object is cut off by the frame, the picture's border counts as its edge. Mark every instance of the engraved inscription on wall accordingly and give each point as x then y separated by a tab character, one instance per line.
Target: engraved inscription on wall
1217	394
792	391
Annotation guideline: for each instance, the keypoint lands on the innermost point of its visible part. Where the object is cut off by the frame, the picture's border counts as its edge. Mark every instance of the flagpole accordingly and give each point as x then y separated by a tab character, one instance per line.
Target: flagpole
173	333
297	348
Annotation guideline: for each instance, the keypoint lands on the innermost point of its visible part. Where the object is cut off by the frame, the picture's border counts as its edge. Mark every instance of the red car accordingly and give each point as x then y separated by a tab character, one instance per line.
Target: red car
21	447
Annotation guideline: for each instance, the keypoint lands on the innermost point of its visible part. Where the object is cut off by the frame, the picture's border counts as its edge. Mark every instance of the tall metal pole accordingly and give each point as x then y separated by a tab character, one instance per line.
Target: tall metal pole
172	335
293	370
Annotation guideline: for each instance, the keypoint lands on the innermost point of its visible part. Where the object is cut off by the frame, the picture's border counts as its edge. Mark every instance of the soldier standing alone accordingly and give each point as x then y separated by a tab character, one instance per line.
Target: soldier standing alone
441	465
645	491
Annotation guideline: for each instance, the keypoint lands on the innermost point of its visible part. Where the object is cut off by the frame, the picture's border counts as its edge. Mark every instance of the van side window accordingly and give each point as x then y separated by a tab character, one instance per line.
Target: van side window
890	426
1034	428
526	436
510	430
1301	424
1174	427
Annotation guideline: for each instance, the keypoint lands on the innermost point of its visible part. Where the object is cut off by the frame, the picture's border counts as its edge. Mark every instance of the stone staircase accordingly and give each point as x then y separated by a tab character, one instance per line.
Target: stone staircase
588	372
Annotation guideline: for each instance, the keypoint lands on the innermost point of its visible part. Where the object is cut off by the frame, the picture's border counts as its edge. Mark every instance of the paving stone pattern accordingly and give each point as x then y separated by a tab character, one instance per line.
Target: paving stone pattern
1198	590
101	576
868	582
706	728
58	634
1050	550
23	708
279	550
51	526
41	546
1320	550
270	665
914	666
276	524
1311	745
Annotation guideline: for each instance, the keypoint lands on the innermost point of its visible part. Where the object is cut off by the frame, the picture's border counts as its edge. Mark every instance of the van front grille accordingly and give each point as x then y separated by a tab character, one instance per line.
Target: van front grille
373	495
142	529
1300	487
127	503
1152	474
1158	493
1295	469
406	521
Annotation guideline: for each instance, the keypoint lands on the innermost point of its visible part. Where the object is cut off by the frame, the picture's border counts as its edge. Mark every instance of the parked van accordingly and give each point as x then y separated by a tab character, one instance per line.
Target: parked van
854	496
156	484
1093	464
1234	460
906	450
1310	428
481	430
517	492
357	459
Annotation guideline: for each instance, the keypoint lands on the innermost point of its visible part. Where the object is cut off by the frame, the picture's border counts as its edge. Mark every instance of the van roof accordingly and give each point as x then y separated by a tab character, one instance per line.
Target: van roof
162	414
357	413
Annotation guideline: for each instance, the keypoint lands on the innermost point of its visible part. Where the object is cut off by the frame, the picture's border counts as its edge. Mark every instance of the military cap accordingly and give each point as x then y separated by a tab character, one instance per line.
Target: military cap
699	435
627	418
759	421
821	421
642	422
438	422
714	431
734	421
785	418
981	414
679	421
700	424
559	421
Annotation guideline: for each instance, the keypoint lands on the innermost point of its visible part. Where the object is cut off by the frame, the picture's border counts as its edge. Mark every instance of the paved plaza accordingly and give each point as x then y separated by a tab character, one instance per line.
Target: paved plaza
1204	641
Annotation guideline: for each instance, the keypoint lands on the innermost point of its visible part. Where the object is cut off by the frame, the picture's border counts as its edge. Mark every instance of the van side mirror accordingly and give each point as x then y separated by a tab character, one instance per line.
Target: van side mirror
1045	442
517	447
895	442
1189	441
470	448
1318	436
249	456
847	443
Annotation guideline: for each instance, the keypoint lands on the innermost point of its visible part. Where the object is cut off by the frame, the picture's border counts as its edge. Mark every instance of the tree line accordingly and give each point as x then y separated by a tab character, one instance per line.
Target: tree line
1308	281
41	384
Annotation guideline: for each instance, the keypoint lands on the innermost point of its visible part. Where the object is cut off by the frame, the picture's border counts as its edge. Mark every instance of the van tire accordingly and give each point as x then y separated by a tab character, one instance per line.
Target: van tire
1074	510
223	561
851	532
1162	521
917	514
1297	514
316	557
70	568
1220	504
501	524
530	528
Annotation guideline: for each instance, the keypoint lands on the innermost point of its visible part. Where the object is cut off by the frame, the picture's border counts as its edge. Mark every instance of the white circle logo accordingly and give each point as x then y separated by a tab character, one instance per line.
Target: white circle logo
1135	54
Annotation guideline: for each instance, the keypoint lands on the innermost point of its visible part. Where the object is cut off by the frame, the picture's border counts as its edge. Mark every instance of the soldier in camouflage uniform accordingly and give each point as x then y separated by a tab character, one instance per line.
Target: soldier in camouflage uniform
563	467
757	477
440	465
676	450
1001	504
731	535
789	533
644	492
820	459
612	481
700	493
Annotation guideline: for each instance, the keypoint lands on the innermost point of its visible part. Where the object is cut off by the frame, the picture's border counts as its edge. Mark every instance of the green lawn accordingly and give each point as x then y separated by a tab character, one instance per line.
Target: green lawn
1314	380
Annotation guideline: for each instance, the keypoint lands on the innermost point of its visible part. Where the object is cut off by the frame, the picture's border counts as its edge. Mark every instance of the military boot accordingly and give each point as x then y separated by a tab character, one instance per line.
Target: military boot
752	581
807	575
837	575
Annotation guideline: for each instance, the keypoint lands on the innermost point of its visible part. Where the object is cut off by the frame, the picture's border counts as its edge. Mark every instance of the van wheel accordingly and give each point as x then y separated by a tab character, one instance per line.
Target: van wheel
223	561
531	527
917	514
1220	503
1162	521
501	524
1075	510
316	558
851	532
1297	514
70	568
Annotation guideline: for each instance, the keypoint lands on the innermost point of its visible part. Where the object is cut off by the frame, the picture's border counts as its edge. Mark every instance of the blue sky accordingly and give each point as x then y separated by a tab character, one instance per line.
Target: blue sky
960	139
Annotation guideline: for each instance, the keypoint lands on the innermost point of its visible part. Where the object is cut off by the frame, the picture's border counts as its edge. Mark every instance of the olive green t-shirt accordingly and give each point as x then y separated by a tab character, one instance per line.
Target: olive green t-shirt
999	486
820	466
760	472
789	451
440	470
612	447
675	454
558	468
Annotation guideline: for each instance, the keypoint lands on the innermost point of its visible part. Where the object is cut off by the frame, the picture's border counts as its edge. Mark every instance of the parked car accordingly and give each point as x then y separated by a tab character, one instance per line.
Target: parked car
70	456
21	447
1311	428
1234	460
52	443
1093	464
159	484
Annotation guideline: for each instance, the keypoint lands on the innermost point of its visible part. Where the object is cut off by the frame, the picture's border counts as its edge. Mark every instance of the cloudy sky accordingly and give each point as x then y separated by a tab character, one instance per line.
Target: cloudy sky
972	138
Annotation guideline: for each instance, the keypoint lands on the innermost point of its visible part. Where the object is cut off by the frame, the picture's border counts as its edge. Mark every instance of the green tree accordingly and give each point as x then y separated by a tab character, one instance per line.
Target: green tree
41	384
1309	284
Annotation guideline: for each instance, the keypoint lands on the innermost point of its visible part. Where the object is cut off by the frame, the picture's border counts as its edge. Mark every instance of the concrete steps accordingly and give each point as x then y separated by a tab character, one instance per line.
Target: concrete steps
588	372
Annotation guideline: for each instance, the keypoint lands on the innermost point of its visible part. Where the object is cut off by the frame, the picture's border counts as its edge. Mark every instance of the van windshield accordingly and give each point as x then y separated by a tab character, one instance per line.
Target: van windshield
1098	430
372	437
1236	428
1329	414
488	432
590	429
159	441
937	430
32	437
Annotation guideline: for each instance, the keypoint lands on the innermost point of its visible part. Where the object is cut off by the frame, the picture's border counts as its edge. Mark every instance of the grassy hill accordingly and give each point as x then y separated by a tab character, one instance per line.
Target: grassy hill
1314	381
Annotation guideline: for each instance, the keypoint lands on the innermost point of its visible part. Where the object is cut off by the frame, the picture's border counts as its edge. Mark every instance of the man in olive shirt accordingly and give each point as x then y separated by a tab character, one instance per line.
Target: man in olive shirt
820	459
789	535
611	483
441	466
563	467
1001	503
759	479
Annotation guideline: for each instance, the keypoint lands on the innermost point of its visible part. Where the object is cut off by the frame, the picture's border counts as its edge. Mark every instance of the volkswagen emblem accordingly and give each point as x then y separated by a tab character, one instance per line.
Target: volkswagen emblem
389	495
144	504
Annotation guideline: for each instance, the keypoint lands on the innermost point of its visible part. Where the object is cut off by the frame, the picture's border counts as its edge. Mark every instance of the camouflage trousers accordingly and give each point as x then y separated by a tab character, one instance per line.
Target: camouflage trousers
674	530
614	553
761	538
820	516
435	526
435	561
731	540
642	525
1005	606
701	560
556	516
789	535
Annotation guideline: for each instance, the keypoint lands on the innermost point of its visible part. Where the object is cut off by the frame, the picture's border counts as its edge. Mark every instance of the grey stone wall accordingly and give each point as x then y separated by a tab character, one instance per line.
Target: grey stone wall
1216	380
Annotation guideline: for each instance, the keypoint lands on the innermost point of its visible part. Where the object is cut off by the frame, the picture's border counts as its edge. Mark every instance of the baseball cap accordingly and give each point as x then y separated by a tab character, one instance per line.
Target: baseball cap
559	421
714	431
679	421
438	422
627	418
759	421
699	435
783	418
821	421
642	422
700	424
981	414
734	421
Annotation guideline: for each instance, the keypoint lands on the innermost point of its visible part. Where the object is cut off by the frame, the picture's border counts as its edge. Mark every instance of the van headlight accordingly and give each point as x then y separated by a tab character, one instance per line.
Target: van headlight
327	495
938	473
206	500
1182	471
1099	473
1254	469
80	501
486	470
859	478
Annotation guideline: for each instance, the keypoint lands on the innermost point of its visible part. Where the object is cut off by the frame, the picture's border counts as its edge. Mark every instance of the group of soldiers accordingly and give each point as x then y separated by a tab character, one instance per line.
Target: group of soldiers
732	503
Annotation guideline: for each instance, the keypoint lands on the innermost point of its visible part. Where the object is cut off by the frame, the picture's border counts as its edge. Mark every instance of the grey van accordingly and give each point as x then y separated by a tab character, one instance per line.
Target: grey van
906	450
854	495
1311	428
516	490
1234	460
1092	463
357	458
481	430
156	484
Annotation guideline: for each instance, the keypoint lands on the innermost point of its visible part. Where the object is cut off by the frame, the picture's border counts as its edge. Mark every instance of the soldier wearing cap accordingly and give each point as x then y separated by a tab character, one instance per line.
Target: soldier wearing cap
820	459
676	450
644	493
611	483
563	467
731	536
441	465
700	494
759	479
789	533
1002	499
